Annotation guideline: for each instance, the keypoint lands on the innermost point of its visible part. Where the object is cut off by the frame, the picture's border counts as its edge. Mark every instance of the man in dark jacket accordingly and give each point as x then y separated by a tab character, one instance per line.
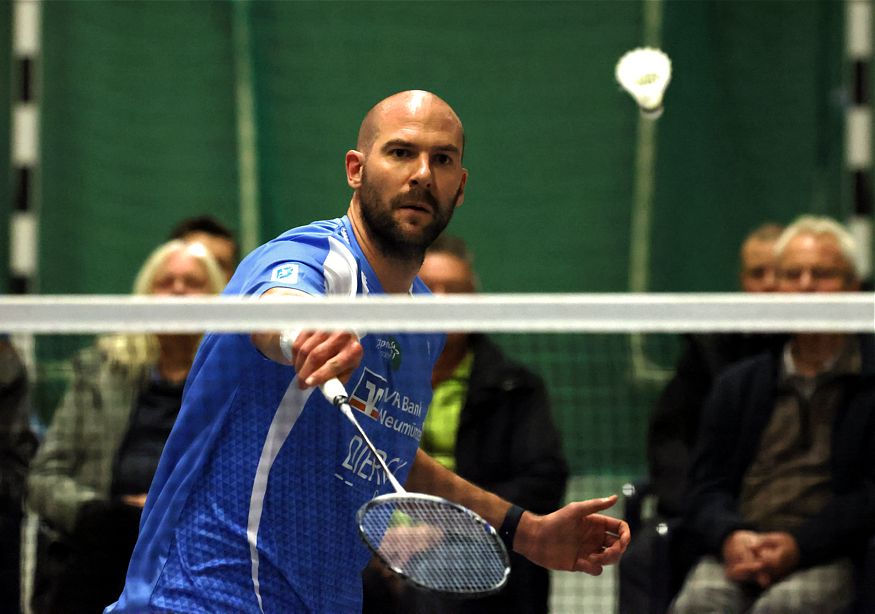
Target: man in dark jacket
655	563
675	421
781	488
490	422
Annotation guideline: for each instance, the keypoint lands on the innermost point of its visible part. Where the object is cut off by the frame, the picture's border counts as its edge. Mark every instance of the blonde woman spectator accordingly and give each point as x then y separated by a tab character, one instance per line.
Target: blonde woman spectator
89	478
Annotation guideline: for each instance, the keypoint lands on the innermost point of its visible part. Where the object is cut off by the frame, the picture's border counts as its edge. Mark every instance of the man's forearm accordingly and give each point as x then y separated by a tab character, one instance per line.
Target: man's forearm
429	476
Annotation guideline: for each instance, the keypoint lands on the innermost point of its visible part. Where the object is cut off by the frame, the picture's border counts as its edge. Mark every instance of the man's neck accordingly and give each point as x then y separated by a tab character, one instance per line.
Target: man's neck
814	353
395	275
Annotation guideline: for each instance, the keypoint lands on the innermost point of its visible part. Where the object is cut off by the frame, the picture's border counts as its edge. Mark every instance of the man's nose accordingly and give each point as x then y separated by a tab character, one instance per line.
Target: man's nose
422	171
806	282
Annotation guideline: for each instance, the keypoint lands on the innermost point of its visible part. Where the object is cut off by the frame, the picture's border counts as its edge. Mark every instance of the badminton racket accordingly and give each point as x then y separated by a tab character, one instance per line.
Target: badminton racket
431	542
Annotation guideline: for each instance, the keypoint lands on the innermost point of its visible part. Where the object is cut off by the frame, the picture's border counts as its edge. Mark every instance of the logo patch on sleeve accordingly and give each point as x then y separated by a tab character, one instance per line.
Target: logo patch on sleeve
287	273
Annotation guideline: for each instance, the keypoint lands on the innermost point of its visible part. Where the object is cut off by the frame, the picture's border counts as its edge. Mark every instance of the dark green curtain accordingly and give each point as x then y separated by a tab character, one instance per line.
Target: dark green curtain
138	132
752	131
549	136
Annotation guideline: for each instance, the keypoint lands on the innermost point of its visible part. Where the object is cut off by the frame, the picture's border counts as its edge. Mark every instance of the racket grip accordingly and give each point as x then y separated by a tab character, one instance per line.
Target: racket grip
334	391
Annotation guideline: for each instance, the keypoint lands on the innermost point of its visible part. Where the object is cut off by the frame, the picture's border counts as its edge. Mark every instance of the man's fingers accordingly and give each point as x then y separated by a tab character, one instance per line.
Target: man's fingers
763	579
587	566
742	572
319	356
620	528
611	554
305	342
340	365
591	506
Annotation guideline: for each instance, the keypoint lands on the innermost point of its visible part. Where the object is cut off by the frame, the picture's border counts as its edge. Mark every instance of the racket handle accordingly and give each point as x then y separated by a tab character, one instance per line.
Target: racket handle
334	391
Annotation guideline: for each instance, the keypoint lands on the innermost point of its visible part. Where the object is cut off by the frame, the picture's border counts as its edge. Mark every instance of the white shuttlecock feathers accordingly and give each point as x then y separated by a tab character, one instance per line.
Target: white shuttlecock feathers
645	73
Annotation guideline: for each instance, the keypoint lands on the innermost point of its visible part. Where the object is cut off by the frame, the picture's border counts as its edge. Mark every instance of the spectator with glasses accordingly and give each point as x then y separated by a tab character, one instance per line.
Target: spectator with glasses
781	487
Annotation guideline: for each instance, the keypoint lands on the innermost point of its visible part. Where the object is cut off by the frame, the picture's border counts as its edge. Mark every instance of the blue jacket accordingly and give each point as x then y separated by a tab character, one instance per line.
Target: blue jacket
736	414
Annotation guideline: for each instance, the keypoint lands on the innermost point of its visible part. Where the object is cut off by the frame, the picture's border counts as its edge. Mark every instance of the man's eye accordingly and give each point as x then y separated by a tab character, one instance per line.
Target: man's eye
399	153
757	272
443	159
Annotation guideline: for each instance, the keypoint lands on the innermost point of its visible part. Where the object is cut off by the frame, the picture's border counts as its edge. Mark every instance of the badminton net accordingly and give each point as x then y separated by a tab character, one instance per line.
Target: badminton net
604	358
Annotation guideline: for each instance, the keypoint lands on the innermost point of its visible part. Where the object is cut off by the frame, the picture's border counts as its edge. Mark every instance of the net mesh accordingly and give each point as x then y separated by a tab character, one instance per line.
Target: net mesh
435	544
603	362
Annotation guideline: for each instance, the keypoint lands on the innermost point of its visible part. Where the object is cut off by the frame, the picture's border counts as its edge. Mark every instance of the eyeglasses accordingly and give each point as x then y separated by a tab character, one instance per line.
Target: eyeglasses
816	273
758	272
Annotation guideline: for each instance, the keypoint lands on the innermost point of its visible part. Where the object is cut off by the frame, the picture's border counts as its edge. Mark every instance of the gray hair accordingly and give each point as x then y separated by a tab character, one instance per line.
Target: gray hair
818	226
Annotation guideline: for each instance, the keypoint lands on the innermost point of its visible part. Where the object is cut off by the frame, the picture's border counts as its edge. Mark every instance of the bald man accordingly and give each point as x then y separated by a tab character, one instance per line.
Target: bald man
253	505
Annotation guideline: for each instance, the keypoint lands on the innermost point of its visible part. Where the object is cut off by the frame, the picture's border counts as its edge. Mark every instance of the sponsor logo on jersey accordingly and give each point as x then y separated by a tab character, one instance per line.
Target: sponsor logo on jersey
390	349
361	462
373	397
368	392
287	273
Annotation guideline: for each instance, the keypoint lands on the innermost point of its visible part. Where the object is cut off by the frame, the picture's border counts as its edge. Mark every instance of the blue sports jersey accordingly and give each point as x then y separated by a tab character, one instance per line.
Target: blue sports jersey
252	508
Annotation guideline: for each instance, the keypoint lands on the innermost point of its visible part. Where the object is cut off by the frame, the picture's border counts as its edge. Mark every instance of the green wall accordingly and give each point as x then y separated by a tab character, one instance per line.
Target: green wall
139	127
548	134
138	132
752	131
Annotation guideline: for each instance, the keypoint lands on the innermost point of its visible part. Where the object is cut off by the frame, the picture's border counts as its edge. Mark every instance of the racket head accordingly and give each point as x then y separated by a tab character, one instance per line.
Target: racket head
435	544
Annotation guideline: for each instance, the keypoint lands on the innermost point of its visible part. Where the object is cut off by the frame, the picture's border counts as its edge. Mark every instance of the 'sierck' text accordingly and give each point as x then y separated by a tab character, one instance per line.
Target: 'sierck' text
361	462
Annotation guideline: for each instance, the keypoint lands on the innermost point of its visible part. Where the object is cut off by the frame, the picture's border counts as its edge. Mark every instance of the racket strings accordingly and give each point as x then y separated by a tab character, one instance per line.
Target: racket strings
435	544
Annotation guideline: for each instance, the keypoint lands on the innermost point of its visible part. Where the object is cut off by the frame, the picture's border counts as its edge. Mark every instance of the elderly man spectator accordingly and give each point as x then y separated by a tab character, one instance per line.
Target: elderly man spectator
780	494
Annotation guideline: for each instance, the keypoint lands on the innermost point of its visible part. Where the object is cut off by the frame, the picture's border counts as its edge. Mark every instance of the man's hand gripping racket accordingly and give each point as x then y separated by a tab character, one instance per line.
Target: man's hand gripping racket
430	541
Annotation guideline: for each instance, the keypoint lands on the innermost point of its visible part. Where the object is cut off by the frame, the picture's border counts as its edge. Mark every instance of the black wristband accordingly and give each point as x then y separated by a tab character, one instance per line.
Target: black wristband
508	528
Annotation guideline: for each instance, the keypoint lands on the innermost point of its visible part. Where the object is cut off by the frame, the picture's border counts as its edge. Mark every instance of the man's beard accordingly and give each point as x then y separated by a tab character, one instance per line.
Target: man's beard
386	232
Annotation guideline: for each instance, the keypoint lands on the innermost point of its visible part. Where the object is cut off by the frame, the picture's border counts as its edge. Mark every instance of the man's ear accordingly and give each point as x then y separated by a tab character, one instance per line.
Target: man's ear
460	194
355	163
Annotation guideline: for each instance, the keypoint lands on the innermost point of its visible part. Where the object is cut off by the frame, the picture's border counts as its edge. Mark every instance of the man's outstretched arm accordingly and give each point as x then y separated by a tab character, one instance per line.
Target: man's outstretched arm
574	538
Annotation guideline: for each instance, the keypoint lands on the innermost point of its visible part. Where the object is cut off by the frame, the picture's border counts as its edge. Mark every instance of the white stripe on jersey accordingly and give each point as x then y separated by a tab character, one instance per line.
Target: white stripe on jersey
340	268
284	419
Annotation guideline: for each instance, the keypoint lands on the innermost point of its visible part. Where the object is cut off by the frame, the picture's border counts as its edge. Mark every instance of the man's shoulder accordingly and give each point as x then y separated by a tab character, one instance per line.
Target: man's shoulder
313	237
318	228
720	350
754	373
305	257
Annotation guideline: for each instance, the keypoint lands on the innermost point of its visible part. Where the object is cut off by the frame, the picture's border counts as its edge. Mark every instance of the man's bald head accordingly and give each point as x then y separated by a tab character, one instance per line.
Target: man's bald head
410	103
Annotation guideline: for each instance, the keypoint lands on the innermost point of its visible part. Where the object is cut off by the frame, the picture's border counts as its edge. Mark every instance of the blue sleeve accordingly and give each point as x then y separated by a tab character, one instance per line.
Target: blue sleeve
295	262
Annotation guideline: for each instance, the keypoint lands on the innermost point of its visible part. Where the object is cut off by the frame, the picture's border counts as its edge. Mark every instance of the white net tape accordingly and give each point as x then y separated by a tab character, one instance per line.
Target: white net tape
484	313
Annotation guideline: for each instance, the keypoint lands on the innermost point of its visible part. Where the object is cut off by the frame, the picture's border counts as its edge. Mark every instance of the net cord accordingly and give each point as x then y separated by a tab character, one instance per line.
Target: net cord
602	313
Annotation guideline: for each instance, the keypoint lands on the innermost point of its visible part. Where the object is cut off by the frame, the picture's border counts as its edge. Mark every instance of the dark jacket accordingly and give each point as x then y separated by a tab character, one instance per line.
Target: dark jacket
674	424
736	414
507	443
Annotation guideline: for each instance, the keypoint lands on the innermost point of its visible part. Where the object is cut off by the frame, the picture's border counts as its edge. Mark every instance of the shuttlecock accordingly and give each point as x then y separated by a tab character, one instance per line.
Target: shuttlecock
645	73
